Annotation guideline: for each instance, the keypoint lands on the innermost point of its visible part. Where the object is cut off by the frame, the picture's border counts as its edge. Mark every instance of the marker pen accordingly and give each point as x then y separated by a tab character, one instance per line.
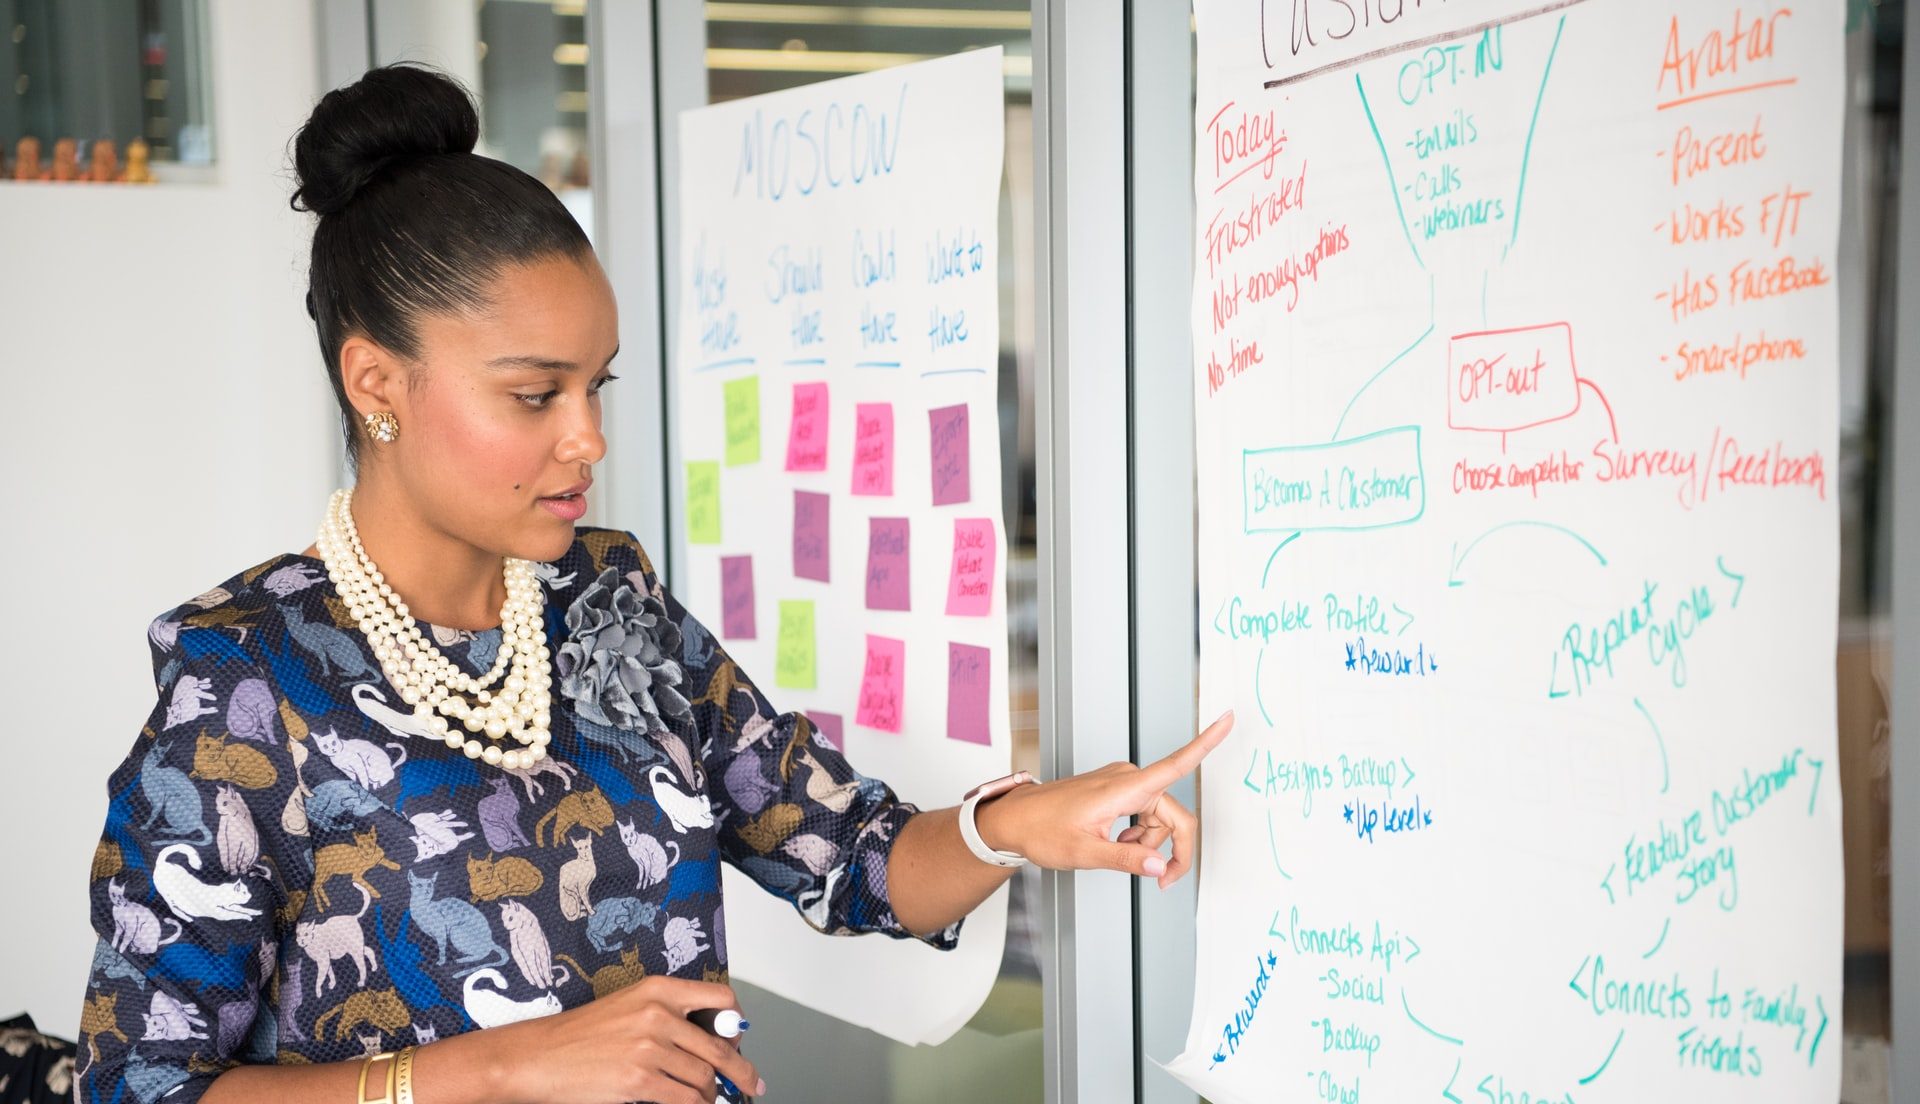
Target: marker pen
727	1024
724	1022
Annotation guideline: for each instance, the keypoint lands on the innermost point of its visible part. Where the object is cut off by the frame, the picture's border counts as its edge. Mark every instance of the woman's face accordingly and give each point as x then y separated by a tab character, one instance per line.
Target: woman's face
500	414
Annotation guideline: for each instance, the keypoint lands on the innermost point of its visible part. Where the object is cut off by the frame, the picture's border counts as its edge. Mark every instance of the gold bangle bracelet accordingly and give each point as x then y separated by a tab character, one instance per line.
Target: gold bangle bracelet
403	1077
387	1063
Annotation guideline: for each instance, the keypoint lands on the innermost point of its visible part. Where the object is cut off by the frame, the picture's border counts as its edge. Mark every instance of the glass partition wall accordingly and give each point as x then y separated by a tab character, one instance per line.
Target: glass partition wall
764	47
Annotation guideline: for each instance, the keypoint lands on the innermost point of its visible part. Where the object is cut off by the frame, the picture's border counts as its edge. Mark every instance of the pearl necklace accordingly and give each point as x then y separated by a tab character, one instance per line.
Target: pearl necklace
424	677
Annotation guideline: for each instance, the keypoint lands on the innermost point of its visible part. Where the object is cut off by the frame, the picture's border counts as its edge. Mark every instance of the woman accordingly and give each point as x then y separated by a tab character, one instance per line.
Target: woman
455	780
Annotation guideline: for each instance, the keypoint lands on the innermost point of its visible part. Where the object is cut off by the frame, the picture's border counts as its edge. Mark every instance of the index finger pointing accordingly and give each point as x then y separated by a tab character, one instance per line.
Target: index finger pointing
1185	760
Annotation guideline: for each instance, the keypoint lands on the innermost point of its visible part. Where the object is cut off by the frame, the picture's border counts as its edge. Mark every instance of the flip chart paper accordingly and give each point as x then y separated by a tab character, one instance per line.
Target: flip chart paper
839	245
1516	399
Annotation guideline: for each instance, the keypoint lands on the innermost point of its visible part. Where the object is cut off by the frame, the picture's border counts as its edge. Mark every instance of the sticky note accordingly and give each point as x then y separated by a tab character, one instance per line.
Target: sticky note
949	441
829	729
807	433
882	684
703	502
742	399
969	678
887	564
810	539
873	449
736	597
970	591
794	666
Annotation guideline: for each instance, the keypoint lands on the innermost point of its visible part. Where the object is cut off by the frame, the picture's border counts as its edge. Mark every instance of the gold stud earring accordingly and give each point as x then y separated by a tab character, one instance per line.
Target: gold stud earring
382	426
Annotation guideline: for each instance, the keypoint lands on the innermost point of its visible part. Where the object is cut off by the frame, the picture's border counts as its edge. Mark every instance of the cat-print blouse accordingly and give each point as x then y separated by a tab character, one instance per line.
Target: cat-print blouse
294	870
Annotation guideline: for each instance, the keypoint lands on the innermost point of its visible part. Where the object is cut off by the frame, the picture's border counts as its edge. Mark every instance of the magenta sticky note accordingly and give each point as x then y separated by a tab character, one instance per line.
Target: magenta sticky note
883	684
807	432
829	729
736	597
970	590
873	449
810	541
887	564
950	440
969	678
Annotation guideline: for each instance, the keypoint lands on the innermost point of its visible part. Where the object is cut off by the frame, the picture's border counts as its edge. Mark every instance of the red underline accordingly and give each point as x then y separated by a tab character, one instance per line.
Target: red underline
1272	153
1726	92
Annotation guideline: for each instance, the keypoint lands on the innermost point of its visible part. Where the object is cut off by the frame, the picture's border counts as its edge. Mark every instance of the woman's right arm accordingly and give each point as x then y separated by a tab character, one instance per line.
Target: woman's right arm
636	1044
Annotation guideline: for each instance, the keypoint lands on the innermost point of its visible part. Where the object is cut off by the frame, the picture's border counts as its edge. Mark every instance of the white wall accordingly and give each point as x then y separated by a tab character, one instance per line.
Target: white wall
166	424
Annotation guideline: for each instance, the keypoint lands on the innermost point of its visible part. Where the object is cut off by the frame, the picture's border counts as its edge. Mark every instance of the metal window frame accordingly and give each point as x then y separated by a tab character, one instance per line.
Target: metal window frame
1085	557
1904	593
1163	523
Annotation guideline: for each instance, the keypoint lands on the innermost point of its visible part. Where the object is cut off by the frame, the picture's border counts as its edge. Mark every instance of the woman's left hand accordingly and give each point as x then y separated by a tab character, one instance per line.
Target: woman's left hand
1064	824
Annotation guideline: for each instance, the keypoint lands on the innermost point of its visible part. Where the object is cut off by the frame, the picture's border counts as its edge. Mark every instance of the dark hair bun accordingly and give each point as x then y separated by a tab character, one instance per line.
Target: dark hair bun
392	113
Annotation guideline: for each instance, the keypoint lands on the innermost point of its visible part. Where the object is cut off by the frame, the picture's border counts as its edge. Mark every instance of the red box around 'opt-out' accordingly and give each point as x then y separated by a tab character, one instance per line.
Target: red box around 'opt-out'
1499	381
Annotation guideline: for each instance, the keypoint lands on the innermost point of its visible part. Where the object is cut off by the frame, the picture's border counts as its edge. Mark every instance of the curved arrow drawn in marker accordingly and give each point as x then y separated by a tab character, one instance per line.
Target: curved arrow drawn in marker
1460	558
1268	570
1662	941
1589	1078
1665	774
1274	845
1257	699
1612	425
1424	1027
1397	358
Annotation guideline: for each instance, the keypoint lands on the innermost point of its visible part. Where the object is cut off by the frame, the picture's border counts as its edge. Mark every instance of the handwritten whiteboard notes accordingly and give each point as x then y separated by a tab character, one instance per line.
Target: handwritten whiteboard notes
1514	371
839	350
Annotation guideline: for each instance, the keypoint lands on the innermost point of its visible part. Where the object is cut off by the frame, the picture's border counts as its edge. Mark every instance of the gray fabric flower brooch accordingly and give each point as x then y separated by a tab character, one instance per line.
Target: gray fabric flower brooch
617	663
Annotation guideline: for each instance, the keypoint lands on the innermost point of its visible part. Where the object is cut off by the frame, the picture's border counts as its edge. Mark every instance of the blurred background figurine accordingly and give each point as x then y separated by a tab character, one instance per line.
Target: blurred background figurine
26	163
104	165
66	161
137	171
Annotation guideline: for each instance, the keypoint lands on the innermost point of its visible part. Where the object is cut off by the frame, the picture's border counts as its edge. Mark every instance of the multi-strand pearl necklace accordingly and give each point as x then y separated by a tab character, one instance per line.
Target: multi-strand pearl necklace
425	678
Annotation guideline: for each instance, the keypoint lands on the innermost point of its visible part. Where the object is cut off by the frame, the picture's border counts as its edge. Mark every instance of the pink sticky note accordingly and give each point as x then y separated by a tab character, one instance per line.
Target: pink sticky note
952	466
873	449
970	591
883	684
736	597
807	435
887	564
810	535
829	729
969	678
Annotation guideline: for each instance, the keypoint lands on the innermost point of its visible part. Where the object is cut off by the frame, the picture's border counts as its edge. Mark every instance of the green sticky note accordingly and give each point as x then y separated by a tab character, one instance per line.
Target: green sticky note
743	420
793	657
703	502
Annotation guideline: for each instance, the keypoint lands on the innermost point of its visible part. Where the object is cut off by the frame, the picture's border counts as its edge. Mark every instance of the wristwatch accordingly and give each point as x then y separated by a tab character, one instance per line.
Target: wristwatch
969	832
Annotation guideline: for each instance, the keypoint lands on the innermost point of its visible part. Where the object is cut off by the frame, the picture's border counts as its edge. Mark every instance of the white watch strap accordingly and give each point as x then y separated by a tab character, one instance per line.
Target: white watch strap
978	846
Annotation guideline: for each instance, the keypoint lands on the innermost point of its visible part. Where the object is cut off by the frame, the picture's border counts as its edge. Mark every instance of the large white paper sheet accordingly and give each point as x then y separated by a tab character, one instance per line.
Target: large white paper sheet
1515	374
837	377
